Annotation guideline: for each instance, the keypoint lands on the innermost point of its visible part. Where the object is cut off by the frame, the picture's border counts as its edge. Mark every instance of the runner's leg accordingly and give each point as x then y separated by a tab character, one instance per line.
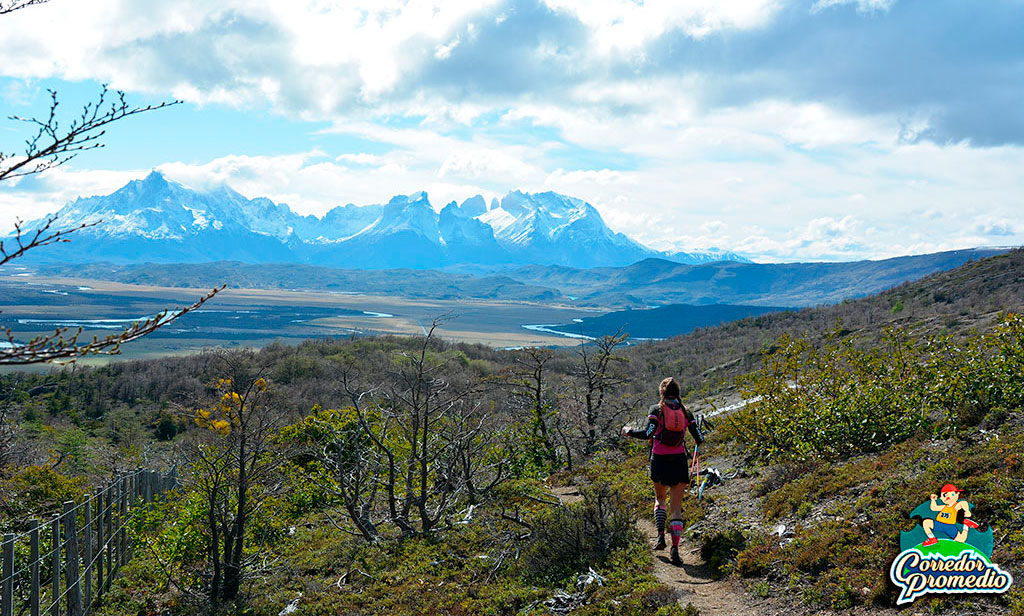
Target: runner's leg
677	513
660	493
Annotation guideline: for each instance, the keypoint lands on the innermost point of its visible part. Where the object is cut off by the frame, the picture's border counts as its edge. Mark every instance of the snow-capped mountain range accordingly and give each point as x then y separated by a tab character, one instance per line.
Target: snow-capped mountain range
158	220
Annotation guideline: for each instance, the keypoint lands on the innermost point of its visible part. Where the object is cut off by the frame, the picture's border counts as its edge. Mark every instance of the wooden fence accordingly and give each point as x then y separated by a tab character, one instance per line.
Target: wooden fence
63	566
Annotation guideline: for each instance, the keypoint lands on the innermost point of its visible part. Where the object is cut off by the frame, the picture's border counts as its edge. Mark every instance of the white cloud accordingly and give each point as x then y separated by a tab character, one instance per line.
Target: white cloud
863	6
567	181
236	51
626	24
486	163
990	227
362	158
443	52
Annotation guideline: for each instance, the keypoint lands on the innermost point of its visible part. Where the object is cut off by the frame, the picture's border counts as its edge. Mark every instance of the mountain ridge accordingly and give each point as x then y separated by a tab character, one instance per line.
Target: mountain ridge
156	219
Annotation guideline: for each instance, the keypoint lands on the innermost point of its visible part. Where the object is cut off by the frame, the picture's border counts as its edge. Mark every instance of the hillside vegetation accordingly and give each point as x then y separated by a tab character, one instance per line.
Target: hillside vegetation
954	302
399	475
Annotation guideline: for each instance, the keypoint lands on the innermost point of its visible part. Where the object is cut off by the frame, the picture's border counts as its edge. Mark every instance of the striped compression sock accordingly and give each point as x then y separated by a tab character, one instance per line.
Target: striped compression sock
677	532
660	515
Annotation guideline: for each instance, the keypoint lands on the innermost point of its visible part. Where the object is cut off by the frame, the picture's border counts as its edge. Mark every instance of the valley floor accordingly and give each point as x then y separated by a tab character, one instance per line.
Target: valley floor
257	317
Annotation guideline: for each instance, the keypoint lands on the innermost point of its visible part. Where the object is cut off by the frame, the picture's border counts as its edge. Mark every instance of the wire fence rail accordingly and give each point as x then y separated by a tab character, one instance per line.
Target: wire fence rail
64	565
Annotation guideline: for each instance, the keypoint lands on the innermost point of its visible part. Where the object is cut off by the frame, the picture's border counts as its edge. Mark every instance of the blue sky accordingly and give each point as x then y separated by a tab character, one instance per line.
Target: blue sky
785	130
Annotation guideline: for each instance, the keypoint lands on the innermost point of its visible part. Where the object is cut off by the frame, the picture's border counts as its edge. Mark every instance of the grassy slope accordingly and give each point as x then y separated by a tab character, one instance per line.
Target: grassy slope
967	297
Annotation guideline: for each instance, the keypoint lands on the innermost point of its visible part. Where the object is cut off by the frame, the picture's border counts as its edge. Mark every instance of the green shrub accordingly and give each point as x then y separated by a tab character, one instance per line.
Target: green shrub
720	550
567	540
831	401
755	559
38	490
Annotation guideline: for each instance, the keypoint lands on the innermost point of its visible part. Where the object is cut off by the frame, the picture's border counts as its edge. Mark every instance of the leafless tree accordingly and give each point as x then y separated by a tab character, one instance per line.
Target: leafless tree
528	382
419	410
596	380
342	444
420	444
233	464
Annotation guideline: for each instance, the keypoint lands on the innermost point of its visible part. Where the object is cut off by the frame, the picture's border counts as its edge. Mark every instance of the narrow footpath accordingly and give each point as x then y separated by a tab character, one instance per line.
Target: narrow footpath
712	597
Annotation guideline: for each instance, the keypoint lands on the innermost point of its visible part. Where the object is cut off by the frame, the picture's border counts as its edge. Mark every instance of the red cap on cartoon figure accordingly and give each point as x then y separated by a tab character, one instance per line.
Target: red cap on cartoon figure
950	488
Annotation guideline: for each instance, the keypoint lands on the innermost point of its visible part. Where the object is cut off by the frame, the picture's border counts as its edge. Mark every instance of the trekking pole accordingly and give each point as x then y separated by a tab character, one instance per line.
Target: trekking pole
694	466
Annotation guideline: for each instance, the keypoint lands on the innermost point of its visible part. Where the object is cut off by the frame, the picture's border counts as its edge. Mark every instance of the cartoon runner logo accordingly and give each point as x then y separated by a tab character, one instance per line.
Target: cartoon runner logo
947	553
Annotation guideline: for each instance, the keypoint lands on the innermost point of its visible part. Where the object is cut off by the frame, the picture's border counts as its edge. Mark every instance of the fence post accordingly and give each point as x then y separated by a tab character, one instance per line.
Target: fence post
7	604
115	517
116	537
123	535
33	543
129	548
108	520
87	552
71	569
99	542
55	568
104	522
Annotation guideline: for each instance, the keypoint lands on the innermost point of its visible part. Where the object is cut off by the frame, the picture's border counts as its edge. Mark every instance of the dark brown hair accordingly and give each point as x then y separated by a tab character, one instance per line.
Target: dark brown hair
669	389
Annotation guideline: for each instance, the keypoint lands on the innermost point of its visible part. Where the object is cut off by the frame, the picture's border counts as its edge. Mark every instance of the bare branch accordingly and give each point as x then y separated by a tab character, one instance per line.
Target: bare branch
53	145
9	6
42	236
61	345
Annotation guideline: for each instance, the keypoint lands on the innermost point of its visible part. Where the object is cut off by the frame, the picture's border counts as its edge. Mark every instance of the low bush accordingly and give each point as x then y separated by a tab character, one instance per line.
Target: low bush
835	400
720	549
568	540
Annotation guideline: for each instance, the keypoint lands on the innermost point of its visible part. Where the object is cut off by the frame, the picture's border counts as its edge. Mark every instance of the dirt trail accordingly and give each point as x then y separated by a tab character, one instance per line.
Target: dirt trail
725	597
693	580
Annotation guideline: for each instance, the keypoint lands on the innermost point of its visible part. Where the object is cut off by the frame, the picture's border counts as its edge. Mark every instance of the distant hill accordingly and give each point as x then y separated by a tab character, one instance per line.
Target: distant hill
158	220
955	301
660	282
661	322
